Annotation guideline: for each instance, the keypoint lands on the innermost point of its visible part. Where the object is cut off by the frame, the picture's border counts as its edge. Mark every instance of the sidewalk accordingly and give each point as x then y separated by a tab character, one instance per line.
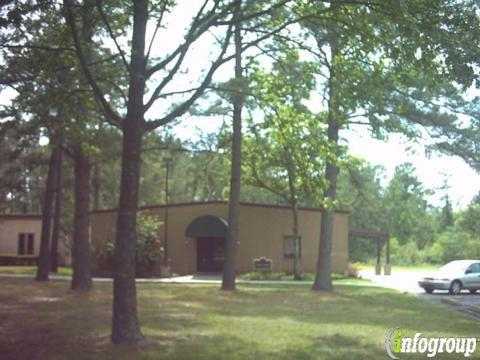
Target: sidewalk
404	281
187	279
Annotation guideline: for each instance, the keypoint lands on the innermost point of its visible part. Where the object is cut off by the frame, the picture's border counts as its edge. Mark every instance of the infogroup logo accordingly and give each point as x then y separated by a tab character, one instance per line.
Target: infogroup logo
396	343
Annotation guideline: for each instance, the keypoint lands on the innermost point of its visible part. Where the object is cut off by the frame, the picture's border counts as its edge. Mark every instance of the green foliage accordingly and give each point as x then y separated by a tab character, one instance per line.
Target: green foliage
282	276
148	255
149	251
446	216
409	212
285	147
469	220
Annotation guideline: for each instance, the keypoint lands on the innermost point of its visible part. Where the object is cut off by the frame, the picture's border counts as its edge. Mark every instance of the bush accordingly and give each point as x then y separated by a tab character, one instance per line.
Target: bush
452	244
283	276
20	260
149	250
353	269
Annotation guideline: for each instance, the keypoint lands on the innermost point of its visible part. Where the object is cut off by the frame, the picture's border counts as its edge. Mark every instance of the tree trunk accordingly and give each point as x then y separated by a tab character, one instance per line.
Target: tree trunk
228	280
82	276
125	325
57	213
296	255
96	188
323	276
292	179
44	256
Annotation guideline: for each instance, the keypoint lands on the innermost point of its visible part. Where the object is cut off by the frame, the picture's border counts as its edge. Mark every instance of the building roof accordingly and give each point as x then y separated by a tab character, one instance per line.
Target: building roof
146	207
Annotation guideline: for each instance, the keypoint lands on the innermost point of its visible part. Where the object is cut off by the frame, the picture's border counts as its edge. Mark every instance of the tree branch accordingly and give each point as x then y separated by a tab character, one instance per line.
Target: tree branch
182	108
109	112
196	30
112	35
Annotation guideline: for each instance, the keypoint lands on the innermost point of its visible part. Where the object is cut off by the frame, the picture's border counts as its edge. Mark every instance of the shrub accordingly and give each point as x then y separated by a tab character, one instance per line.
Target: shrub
353	269
23	260
149	250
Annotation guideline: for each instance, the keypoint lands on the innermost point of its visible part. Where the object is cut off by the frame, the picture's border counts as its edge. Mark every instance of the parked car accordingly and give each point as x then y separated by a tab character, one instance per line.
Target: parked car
454	276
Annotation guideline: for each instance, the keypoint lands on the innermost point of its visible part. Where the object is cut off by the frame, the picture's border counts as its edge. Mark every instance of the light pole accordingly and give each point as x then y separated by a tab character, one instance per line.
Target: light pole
167	161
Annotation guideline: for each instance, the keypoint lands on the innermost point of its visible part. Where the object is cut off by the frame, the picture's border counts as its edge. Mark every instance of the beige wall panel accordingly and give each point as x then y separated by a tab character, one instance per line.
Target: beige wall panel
262	232
9	230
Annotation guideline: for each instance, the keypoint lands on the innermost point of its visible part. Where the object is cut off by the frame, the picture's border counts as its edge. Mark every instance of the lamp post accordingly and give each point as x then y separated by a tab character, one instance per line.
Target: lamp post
167	161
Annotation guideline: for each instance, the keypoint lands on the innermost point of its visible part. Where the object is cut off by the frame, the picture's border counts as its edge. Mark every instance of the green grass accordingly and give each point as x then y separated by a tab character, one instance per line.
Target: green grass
395	267
45	321
31	270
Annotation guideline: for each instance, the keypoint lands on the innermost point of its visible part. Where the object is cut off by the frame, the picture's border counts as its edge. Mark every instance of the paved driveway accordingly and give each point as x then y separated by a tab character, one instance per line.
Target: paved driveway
407	282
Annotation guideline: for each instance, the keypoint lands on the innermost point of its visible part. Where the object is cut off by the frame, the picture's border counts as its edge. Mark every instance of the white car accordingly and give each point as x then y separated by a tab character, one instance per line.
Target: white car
454	276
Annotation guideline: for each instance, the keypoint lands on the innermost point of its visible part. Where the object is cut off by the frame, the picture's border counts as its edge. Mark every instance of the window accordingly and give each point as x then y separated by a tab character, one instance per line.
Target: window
289	247
30	248
26	243
474	268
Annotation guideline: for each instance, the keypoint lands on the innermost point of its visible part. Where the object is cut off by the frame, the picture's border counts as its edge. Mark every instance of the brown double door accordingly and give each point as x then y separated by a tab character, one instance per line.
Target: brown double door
210	254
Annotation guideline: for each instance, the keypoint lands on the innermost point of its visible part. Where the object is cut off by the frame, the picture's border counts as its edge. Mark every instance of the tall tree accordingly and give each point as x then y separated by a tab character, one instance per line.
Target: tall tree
44	255
446	215
380	72
361	191
57	213
141	68
59	103
229	273
408	209
281	153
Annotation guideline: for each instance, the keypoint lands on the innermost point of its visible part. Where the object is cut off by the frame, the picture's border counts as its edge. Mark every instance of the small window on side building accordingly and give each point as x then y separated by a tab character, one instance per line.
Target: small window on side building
26	243
289	247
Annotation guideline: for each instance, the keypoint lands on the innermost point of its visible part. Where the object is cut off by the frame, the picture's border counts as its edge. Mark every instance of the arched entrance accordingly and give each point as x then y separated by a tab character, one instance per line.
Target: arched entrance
210	233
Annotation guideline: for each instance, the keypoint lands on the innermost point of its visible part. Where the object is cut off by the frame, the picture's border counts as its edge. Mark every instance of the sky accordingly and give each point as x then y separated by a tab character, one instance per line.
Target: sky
463	183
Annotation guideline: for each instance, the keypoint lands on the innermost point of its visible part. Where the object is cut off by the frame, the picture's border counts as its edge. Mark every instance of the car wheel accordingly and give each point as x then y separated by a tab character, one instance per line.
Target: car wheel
455	287
473	291
428	290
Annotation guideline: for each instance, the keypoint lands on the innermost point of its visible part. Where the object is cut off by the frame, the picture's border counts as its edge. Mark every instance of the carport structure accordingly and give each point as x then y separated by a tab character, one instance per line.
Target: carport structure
382	238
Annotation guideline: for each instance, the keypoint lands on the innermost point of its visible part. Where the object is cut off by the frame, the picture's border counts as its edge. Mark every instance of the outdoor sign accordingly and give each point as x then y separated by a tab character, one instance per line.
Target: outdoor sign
263	264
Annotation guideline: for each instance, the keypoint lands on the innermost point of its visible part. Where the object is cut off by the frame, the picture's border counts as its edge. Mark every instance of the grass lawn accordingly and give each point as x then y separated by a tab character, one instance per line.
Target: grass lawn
31	270
44	321
395	267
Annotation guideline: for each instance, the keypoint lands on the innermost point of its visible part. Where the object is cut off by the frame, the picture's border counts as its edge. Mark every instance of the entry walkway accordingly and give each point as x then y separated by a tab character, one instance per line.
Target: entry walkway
201	278
187	279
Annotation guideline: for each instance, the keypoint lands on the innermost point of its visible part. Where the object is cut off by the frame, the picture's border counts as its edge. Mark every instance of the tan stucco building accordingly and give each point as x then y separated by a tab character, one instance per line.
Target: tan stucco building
20	234
196	236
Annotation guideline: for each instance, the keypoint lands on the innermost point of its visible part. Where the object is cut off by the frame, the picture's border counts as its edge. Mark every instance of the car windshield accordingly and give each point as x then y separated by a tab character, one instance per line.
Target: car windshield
455	266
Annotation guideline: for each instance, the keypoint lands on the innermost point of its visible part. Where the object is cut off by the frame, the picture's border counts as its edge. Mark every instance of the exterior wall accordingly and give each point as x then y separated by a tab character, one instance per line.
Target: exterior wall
262	232
11	226
182	251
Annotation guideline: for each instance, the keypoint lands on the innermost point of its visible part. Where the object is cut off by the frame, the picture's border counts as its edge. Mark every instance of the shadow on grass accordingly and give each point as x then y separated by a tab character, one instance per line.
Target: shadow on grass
202	322
221	347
